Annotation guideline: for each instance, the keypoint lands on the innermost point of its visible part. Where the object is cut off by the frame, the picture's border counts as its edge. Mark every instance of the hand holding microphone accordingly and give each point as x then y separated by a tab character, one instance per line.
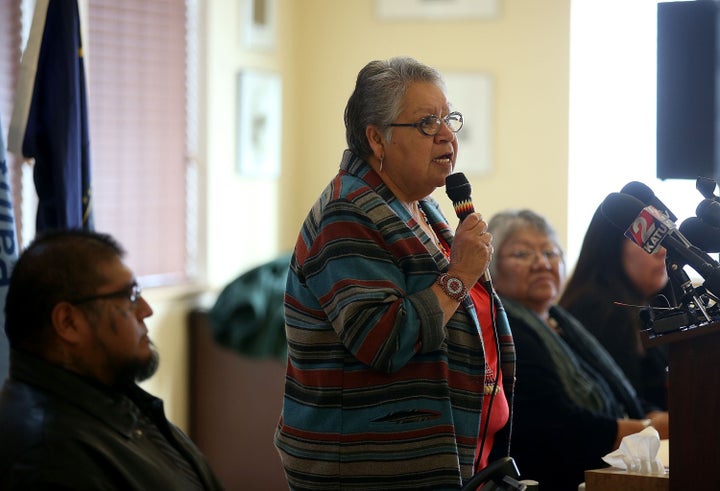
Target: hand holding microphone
472	246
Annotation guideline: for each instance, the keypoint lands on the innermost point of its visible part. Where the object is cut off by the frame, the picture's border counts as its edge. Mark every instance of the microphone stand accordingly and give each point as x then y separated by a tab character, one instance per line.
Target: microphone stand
692	302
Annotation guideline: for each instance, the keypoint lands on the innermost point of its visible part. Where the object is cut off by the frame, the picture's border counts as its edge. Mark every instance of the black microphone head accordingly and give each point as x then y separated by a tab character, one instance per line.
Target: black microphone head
709	211
457	187
647	196
621	209
458	190
639	190
701	234
706	186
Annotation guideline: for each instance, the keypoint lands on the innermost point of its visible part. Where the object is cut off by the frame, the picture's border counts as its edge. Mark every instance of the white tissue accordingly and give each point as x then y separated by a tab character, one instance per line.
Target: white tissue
638	453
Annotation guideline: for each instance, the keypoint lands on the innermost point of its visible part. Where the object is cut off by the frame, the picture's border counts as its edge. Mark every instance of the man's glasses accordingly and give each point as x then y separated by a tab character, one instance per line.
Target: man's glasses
528	257
430	125
131	292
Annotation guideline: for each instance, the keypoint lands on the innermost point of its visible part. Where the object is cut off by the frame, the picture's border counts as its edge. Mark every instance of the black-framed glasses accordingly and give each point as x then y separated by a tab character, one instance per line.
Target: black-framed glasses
131	292
430	125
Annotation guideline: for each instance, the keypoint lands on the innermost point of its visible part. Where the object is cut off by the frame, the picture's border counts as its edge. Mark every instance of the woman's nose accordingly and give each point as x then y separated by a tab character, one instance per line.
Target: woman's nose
444	133
540	259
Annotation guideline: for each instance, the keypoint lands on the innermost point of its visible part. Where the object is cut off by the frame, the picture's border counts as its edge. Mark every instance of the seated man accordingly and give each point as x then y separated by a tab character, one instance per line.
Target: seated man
71	413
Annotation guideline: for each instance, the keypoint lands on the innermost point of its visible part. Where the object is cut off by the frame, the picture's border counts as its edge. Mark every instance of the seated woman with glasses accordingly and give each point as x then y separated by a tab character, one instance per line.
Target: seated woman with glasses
393	344
573	404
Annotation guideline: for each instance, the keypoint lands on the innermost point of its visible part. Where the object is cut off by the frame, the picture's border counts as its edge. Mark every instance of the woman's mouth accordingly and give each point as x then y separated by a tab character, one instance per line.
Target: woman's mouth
444	159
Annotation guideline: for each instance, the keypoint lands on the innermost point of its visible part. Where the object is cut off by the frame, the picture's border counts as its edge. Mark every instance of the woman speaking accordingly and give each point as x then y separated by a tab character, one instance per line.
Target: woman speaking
395	377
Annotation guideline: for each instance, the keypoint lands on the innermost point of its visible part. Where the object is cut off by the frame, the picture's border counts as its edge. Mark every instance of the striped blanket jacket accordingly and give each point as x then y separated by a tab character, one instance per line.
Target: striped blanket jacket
378	393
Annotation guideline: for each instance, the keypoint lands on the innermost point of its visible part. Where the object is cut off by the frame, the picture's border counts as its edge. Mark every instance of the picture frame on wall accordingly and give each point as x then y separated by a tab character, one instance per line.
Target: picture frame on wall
260	24
259	123
436	9
471	95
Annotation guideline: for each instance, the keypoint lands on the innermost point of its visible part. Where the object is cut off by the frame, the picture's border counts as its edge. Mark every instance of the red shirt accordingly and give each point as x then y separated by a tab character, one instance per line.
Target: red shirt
500	412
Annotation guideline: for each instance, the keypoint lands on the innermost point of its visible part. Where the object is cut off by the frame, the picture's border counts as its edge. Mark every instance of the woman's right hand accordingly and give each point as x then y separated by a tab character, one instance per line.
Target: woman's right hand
660	420
657	419
471	250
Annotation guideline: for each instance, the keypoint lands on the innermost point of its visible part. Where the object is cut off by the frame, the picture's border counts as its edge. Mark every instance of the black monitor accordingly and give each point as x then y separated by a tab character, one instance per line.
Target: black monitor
687	90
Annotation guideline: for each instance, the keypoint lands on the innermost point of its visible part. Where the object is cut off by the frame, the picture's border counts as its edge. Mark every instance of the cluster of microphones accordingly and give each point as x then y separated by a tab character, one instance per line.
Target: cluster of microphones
646	221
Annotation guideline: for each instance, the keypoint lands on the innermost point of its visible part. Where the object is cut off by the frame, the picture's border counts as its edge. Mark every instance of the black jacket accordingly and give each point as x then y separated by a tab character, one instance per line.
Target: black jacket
60	431
555	437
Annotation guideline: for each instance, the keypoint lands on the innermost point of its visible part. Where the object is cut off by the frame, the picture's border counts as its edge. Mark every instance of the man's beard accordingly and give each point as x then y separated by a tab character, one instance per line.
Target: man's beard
147	369
139	370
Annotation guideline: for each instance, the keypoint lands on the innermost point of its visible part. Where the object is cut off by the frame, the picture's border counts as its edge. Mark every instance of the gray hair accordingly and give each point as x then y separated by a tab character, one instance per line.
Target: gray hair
507	223
378	96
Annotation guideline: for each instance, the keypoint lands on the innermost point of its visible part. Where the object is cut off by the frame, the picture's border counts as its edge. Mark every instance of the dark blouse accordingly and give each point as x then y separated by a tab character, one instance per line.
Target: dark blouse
559	431
617	329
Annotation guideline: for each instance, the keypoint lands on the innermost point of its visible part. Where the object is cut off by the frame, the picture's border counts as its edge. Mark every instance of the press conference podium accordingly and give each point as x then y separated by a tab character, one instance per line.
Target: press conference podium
694	403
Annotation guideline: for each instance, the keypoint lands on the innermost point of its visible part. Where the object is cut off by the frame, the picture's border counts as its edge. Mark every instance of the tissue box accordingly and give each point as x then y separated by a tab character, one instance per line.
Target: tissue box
612	479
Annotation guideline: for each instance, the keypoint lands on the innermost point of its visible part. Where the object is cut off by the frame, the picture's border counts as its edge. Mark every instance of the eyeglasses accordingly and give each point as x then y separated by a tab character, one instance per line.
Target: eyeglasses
528	257
430	125
131	292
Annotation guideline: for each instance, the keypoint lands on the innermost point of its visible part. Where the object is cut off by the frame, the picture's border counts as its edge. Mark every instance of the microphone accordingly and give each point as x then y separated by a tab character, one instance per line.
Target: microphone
646	196
649	228
703	230
458	190
709	212
706	186
700	233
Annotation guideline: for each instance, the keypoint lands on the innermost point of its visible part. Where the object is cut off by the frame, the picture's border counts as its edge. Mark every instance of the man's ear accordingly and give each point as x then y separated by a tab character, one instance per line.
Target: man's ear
68	322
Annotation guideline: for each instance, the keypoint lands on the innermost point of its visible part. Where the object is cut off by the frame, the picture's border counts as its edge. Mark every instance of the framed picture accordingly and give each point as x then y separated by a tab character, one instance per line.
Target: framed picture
436	9
259	96
471	94
259	26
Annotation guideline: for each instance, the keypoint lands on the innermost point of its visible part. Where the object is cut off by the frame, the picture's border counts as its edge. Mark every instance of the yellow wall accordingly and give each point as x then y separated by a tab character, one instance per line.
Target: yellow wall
321	45
525	50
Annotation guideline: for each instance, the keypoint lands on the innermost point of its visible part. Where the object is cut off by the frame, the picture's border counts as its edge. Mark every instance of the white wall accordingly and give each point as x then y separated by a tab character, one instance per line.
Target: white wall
612	111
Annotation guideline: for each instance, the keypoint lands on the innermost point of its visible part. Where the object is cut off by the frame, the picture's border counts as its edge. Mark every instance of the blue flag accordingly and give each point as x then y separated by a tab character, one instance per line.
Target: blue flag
50	121
8	252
